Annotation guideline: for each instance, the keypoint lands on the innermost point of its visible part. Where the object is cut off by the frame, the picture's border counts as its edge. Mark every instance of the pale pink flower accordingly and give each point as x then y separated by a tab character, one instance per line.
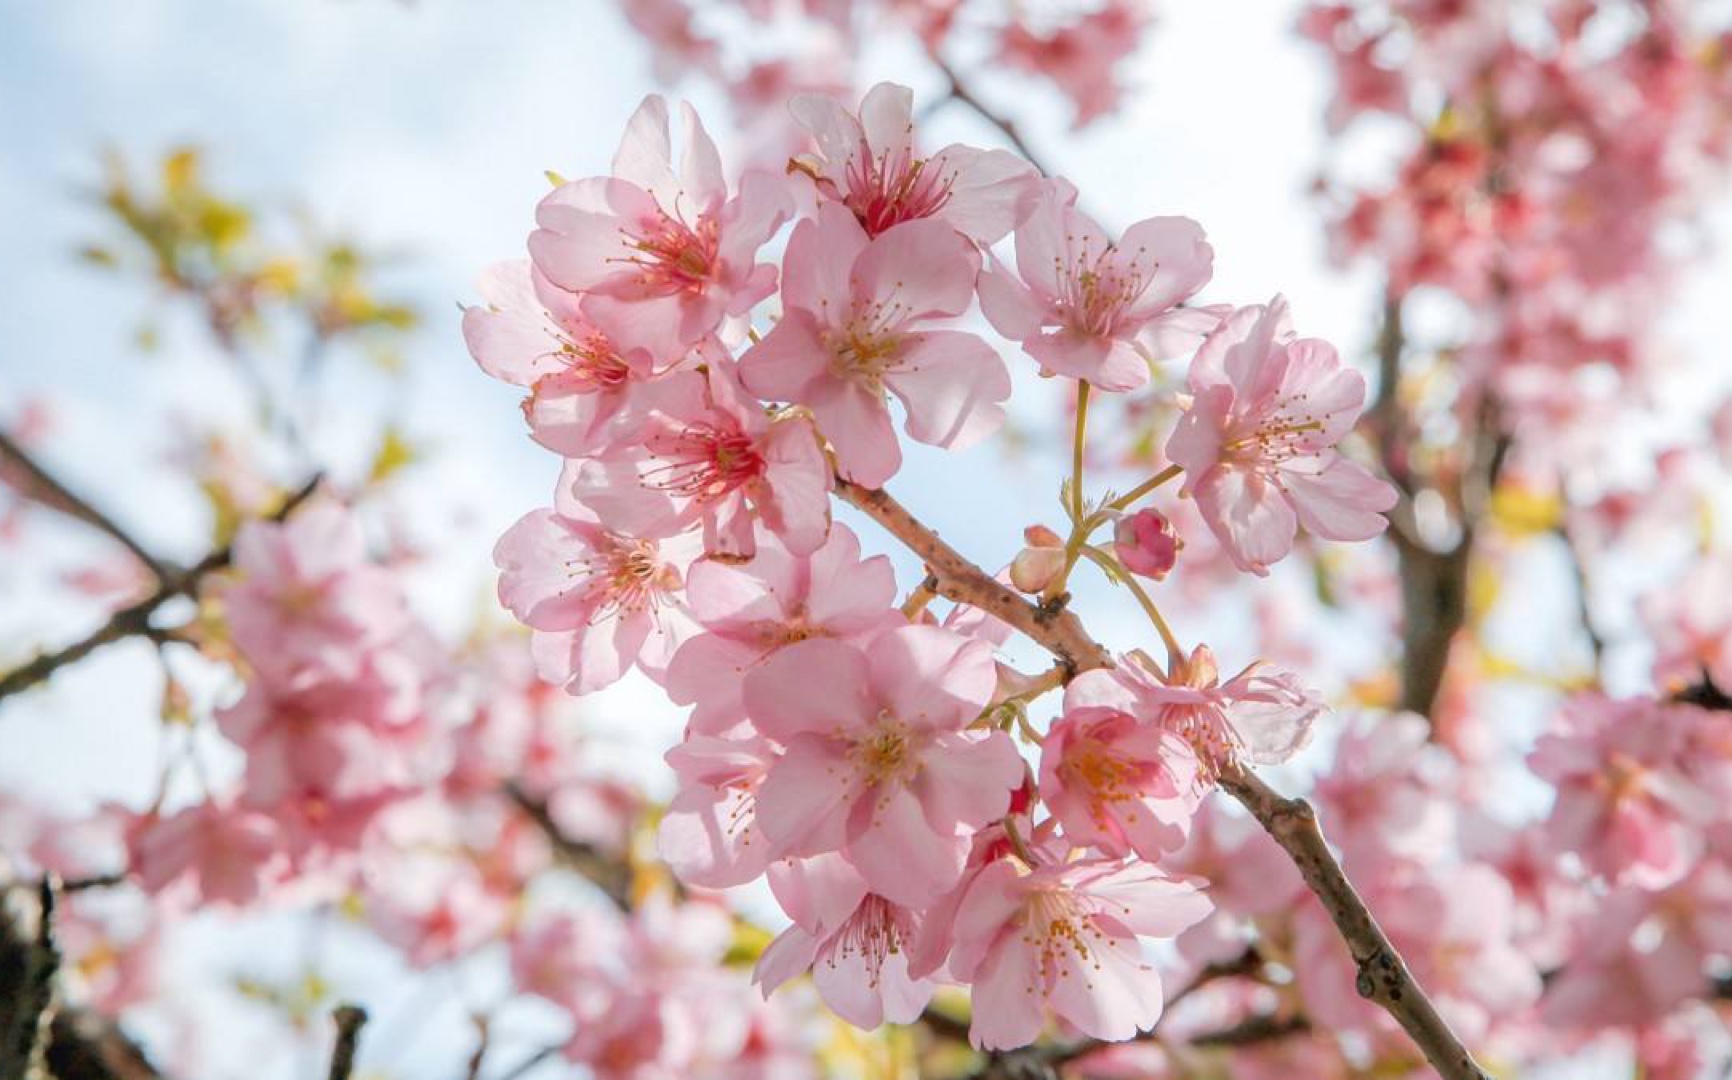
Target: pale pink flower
709	835
1388	793
1118	782
854	942
1261	716
747	612
706	456
854	308
433	908
529	333
880	762
1692	626
327	741
674	247
207	854
1625	801
306	596
869	164
1064	938
1146	543
1258	441
600	603
1088	307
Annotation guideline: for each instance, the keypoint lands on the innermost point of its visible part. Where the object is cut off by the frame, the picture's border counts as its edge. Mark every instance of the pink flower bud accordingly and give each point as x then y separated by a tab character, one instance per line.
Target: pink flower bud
1146	543
1036	565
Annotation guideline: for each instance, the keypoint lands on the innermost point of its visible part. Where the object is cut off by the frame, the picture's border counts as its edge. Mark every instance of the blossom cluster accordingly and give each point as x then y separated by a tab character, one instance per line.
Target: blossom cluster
855	753
1080	49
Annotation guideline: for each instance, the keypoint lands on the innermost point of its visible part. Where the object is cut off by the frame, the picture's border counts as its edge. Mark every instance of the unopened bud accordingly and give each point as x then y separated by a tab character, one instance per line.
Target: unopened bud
1146	544
1036	565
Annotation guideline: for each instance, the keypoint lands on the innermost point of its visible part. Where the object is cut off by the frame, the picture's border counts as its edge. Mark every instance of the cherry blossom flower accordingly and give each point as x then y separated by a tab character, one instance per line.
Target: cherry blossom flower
709	834
1261	716
1692	626
1088	307
529	333
880	764
306	596
674	246
600	603
1258	441
706	456
207	854
1625	802
1064	937
854	942
869	164
1119	783
749	611
1040	561
851	329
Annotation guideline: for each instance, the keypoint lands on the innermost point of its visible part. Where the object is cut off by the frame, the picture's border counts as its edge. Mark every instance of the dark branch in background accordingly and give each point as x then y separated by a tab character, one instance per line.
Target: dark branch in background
1254	1029
25	1050
609	875
962	94
1383	975
39	485
348	1020
72	1043
134	620
1584	594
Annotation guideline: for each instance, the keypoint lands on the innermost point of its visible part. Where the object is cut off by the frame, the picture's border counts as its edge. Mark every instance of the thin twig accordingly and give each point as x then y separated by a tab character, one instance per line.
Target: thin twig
529	1064
1383	975
134	620
611	876
38	484
962	94
348	1019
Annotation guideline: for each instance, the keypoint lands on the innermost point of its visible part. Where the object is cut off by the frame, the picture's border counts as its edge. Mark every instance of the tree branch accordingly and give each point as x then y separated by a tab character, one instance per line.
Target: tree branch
134	620
38	484
349	1020
962	94
1383	975
611	876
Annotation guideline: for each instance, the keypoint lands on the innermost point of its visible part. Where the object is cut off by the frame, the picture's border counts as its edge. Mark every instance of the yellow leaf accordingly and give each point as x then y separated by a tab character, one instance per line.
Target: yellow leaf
1521	511
394	453
180	170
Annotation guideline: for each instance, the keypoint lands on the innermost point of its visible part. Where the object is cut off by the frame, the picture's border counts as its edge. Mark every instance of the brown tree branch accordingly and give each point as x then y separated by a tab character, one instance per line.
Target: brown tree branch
611	876
79	1044
961	93
134	620
1383	976
348	1020
38	484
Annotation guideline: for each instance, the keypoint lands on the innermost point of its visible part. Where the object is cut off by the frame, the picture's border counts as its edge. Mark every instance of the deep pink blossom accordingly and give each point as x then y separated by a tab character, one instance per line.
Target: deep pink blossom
856	312
1258	441
1089	307
868	162
673	246
880	762
1146	543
